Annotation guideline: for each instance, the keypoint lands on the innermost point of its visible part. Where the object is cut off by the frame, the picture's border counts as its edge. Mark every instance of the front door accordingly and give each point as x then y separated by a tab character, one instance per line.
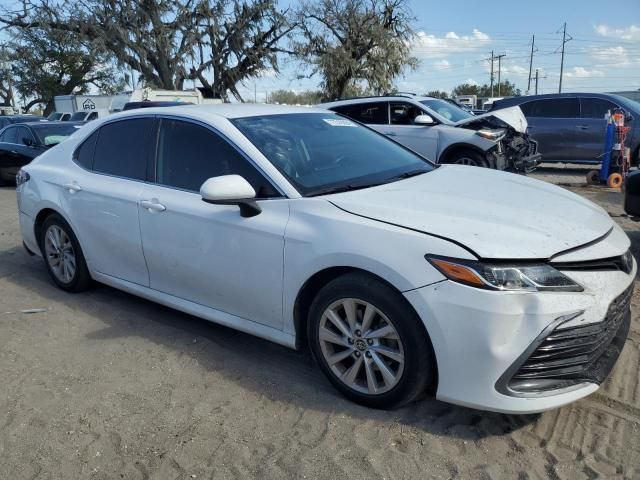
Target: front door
209	254
422	139
592	127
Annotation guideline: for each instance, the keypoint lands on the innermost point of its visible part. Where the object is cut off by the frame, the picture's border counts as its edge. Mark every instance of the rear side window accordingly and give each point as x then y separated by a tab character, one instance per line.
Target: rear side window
189	154
374	113
552	108
84	153
596	107
122	148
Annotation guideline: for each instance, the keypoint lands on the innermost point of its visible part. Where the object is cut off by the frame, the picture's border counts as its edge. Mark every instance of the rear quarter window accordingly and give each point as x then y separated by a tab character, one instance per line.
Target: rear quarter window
83	155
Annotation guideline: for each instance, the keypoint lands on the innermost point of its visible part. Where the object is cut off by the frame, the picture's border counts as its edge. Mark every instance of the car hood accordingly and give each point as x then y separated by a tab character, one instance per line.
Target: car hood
512	116
496	215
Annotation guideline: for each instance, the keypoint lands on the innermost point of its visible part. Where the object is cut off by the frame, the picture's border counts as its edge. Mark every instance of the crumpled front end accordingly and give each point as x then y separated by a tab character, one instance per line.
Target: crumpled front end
517	153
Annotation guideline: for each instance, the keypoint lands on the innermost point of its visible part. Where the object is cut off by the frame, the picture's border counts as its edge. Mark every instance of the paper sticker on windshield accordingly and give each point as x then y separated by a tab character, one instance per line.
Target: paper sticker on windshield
339	122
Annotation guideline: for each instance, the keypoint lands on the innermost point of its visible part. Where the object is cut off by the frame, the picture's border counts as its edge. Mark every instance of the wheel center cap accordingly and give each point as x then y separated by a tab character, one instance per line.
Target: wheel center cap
360	344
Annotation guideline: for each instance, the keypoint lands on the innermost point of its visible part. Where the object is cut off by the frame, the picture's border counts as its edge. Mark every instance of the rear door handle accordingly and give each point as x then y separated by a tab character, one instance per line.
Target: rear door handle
73	187
152	205
391	134
583	127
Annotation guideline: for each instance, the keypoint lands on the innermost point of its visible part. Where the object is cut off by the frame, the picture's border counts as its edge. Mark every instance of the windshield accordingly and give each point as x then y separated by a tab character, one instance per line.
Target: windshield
446	110
324	152
78	116
54	116
54	134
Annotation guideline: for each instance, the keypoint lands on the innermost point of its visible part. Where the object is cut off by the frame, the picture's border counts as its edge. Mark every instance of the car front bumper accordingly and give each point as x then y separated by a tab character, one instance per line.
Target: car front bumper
482	338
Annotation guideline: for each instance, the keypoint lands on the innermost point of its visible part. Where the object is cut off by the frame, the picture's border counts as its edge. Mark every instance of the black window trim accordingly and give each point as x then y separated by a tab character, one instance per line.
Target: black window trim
152	177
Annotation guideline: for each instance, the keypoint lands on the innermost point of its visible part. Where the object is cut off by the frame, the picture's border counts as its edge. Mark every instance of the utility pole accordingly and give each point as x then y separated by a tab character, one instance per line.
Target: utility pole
564	40
533	42
536	78
499	57
492	73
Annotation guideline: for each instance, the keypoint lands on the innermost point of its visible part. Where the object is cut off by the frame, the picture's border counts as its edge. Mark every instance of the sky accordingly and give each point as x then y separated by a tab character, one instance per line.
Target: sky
454	40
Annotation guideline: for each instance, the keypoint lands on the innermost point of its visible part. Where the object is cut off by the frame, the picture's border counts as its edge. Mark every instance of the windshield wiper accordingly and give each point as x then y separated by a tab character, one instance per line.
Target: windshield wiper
409	174
342	188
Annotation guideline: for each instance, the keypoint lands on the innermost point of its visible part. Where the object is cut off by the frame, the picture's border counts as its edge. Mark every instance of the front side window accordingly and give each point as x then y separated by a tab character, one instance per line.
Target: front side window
324	152
189	154
596	107
403	113
373	113
24	136
552	108
122	148
10	135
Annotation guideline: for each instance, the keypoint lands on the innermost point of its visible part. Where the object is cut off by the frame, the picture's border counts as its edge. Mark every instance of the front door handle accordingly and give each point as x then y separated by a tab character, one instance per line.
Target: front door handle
391	134
152	205
73	187
583	127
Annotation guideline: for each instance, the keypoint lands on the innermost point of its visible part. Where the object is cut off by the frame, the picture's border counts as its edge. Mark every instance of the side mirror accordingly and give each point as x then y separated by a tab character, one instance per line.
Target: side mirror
423	119
231	190
27	141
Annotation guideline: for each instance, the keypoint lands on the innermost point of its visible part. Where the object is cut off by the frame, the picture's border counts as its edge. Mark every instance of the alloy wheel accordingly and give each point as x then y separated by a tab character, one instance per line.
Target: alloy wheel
466	161
361	346
60	254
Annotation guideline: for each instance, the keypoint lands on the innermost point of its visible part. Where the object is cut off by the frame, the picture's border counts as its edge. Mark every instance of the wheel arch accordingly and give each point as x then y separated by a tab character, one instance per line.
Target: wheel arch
445	156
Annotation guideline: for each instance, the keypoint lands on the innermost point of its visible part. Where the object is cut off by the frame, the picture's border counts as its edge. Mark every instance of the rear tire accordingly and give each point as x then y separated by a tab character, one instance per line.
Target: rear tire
467	157
63	255
379	355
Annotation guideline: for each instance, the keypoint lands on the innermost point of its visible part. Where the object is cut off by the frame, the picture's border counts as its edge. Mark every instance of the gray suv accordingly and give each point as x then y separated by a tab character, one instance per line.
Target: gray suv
570	127
445	133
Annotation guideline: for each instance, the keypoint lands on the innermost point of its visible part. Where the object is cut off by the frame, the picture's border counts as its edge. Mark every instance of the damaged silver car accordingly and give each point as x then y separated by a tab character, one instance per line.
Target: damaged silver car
445	133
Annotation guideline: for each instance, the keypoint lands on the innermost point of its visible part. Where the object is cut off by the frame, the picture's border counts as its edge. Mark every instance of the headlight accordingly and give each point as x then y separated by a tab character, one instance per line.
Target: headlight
495	276
494	135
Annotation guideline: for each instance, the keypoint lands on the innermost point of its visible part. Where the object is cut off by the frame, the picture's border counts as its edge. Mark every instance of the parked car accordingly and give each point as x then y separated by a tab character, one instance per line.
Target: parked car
632	194
59	117
303	227
445	133
152	103
570	127
21	143
10	119
83	116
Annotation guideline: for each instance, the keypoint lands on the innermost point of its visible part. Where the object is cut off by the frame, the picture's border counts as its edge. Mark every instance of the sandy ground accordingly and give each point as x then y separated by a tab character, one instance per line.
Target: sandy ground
106	385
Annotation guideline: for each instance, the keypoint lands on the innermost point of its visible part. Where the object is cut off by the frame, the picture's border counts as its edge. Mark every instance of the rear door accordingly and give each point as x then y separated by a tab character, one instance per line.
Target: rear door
102	196
592	127
552	122
8	152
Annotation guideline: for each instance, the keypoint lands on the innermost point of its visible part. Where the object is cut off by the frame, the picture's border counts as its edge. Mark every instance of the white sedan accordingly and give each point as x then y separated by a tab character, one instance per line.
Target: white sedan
302	227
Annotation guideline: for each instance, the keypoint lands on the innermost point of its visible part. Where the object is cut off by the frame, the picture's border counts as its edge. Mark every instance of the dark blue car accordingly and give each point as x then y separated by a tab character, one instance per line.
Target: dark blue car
570	127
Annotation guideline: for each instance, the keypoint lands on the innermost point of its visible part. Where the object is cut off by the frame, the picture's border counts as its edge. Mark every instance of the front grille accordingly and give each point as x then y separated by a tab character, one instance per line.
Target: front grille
623	263
568	356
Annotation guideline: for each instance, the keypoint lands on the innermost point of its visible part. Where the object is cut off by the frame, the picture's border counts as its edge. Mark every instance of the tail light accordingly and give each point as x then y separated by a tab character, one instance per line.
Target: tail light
22	177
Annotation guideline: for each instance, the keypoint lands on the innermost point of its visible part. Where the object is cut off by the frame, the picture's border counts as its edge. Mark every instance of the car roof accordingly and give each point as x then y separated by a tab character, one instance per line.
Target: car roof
551	96
385	98
47	124
226	110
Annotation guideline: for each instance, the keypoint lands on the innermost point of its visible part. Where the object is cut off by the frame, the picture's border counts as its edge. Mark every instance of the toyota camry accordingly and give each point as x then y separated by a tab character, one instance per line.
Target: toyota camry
300	226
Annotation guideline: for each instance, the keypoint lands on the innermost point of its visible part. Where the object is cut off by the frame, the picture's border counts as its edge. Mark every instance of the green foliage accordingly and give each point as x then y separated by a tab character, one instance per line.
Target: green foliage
437	94
507	89
288	97
359	44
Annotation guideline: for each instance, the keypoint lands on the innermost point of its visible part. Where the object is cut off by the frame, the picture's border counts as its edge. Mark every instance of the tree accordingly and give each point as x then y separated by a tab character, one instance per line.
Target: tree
152	37
288	97
507	89
437	94
6	77
354	42
46	63
243	42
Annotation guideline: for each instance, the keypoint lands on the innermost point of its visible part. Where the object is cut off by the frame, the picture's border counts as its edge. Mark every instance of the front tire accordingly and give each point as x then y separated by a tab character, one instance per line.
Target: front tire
467	157
63	256
369	342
